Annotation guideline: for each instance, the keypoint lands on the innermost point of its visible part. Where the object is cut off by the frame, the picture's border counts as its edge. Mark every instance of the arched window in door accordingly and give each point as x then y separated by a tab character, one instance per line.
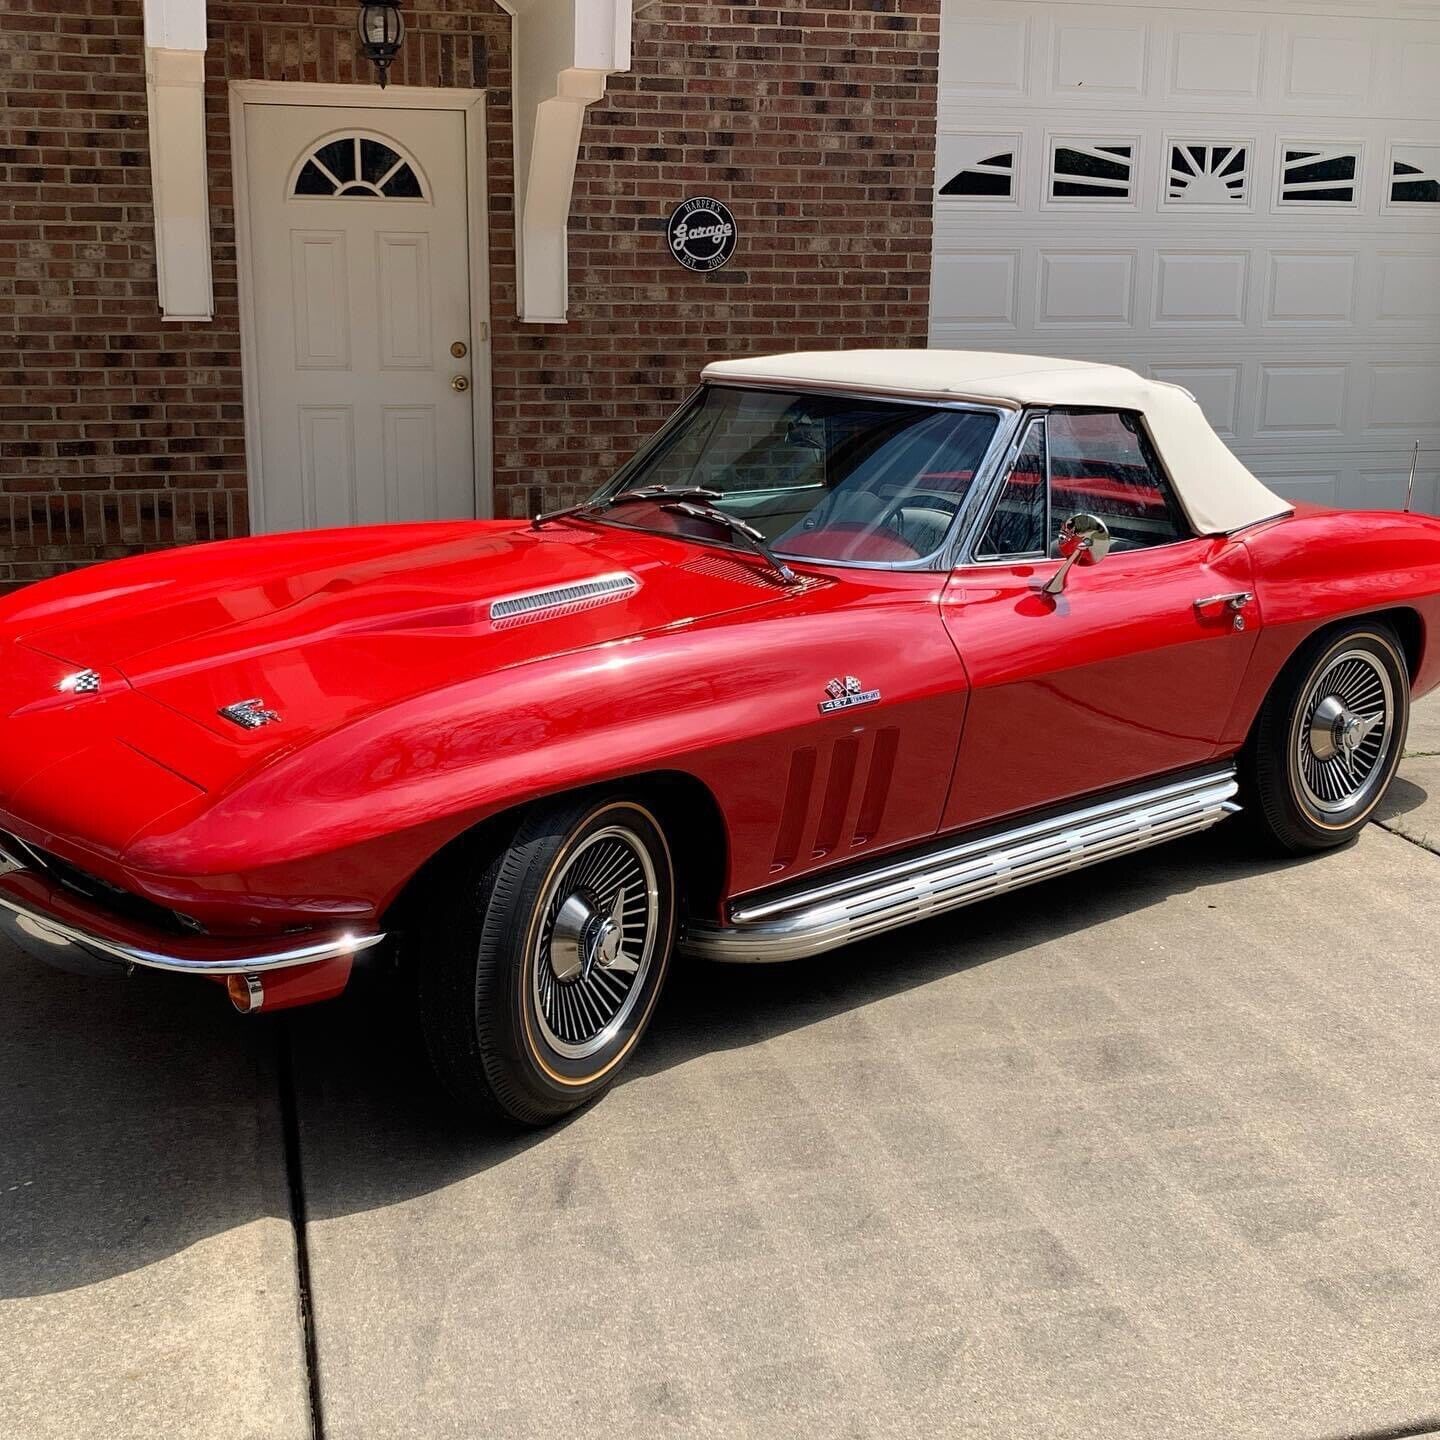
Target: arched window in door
344	166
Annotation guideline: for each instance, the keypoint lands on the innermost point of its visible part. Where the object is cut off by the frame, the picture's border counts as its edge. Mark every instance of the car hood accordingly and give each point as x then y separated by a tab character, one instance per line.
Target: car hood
323	627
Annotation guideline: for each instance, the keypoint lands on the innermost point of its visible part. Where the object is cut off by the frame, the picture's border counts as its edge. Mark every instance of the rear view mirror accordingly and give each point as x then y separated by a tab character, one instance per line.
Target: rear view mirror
1084	540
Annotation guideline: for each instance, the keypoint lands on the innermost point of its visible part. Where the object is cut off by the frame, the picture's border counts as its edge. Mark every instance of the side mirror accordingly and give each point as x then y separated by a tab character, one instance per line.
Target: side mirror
1084	540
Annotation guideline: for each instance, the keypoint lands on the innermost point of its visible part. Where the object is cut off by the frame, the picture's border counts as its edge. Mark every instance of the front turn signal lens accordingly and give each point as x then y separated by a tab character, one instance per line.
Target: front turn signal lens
246	993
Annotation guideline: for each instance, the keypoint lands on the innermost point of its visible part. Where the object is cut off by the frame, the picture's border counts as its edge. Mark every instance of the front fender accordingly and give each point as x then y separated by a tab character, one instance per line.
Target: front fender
730	702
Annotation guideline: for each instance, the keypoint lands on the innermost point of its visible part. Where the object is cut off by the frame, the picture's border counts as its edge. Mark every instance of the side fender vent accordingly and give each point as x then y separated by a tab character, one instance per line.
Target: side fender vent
796	809
877	785
844	807
556	600
839	786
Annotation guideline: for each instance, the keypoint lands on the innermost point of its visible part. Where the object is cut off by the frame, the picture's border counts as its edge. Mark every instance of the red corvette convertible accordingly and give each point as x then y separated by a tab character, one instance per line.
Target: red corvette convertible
857	638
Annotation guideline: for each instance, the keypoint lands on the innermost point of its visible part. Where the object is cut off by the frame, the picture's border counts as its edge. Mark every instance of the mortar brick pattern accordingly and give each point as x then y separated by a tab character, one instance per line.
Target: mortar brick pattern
814	121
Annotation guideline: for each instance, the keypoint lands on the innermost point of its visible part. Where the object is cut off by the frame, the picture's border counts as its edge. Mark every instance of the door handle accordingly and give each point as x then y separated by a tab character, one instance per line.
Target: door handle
460	383
1235	602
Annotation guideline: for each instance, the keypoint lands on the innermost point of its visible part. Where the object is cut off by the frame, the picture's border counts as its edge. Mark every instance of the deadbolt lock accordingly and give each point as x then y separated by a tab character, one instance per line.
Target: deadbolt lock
459	382
459	350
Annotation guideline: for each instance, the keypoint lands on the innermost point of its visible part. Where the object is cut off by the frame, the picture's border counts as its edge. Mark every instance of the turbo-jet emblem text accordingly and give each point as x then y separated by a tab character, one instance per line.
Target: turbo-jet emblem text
845	694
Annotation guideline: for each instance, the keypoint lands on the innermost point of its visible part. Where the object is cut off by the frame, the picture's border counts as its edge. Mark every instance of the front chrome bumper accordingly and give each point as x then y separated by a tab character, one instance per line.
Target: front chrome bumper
55	926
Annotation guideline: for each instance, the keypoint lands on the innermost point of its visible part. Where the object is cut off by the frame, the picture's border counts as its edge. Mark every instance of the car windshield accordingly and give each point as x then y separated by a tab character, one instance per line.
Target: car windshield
820	477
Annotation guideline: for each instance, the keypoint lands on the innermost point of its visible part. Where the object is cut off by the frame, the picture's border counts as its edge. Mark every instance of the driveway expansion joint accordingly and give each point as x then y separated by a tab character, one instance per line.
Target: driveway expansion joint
1406	1430
295	1181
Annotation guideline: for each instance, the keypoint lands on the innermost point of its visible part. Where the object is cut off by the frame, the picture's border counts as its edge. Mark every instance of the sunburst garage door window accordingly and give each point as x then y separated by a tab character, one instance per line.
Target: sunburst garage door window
1208	173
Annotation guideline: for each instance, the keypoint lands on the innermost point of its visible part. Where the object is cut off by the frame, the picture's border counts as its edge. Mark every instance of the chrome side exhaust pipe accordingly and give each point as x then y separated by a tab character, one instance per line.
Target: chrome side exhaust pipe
896	892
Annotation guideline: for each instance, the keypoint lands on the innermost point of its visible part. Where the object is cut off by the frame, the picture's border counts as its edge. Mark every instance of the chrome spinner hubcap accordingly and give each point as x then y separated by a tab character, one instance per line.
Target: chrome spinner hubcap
1345	732
596	942
584	937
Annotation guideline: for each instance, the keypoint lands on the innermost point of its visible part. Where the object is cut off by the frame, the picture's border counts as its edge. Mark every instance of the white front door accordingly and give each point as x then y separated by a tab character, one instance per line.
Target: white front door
363	351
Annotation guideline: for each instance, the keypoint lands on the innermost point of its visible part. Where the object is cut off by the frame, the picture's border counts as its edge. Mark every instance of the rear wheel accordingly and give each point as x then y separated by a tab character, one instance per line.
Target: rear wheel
538	978
1330	736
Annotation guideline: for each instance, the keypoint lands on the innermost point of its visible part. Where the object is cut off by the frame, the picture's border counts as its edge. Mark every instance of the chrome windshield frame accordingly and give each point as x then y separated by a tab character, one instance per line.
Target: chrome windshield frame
940	559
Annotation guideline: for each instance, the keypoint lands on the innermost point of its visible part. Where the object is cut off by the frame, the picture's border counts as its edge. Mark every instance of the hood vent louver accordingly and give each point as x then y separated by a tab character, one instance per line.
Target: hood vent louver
556	600
726	567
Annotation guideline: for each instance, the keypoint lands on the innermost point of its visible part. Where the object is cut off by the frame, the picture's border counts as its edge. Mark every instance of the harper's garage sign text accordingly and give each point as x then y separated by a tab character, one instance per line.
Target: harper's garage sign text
701	232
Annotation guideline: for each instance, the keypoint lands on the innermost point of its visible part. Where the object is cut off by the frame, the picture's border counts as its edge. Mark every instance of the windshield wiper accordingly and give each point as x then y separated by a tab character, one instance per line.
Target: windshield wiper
647	492
748	533
693	500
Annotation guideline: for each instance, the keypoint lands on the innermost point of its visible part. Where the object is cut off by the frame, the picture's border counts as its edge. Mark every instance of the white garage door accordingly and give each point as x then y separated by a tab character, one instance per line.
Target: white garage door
1242	200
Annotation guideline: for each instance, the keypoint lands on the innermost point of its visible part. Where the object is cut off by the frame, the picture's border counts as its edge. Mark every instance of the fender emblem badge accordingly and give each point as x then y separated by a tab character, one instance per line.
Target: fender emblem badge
82	682
846	694
249	714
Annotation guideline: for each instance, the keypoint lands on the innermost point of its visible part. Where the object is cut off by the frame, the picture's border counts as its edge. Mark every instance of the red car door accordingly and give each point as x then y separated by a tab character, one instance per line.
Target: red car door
1123	675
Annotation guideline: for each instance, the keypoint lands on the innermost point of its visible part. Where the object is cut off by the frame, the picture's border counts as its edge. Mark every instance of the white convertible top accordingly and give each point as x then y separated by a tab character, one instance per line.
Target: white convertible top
1218	493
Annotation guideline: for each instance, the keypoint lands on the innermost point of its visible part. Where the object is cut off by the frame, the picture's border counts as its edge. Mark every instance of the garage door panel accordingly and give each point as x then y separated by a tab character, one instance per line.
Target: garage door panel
1329	63
1317	485
1416	90
1215	387
1383	487
989	53
1090	51
1312	287
1243	201
1409	288
1199	287
983	289
1404	395
1302	399
1215	60
1366	480
1086	289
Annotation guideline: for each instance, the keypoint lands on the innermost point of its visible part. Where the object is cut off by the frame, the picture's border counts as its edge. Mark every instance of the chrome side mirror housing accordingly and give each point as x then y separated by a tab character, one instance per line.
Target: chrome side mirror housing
1084	540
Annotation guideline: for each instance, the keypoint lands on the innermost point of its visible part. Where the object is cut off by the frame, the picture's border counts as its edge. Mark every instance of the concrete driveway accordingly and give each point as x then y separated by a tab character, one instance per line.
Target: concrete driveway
1152	1150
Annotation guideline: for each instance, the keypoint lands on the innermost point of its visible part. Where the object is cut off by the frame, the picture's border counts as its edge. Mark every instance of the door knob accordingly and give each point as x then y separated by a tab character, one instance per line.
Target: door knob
459	382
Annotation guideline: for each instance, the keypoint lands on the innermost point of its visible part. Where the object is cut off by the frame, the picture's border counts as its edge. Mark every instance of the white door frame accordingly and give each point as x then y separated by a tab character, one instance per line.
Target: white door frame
471	103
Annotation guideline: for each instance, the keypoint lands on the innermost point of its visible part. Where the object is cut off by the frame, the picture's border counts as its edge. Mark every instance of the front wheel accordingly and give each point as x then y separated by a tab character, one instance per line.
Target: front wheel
538	978
1330	736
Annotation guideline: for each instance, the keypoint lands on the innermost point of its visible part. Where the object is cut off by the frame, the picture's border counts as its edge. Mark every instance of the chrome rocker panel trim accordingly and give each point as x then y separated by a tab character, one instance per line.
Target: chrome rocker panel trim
826	916
48	939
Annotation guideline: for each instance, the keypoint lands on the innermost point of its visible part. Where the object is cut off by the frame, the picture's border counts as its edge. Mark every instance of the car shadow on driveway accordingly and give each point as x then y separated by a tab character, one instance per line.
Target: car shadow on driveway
1402	798
141	1117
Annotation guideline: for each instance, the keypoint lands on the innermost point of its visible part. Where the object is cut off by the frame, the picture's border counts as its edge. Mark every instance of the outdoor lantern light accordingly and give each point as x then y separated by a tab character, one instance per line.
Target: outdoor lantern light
382	28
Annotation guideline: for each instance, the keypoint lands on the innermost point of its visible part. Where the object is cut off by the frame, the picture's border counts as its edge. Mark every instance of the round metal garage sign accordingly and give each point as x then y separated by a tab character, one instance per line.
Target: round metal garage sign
701	232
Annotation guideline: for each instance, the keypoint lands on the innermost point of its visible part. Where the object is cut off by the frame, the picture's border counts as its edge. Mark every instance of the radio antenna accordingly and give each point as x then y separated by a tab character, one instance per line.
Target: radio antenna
1410	483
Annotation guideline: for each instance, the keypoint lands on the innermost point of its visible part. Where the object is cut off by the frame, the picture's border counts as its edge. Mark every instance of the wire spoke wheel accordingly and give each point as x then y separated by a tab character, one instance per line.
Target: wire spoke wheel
596	941
1344	731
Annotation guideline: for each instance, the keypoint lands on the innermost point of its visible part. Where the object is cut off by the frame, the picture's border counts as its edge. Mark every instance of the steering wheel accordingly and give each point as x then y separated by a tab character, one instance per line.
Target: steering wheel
942	501
885	523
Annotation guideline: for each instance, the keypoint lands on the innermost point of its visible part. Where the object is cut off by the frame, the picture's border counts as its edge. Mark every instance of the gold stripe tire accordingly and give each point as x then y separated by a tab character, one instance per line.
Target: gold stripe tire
538	972
1329	737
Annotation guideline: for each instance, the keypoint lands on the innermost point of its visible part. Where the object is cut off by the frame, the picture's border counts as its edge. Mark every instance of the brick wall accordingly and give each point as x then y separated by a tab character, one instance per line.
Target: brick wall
813	121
